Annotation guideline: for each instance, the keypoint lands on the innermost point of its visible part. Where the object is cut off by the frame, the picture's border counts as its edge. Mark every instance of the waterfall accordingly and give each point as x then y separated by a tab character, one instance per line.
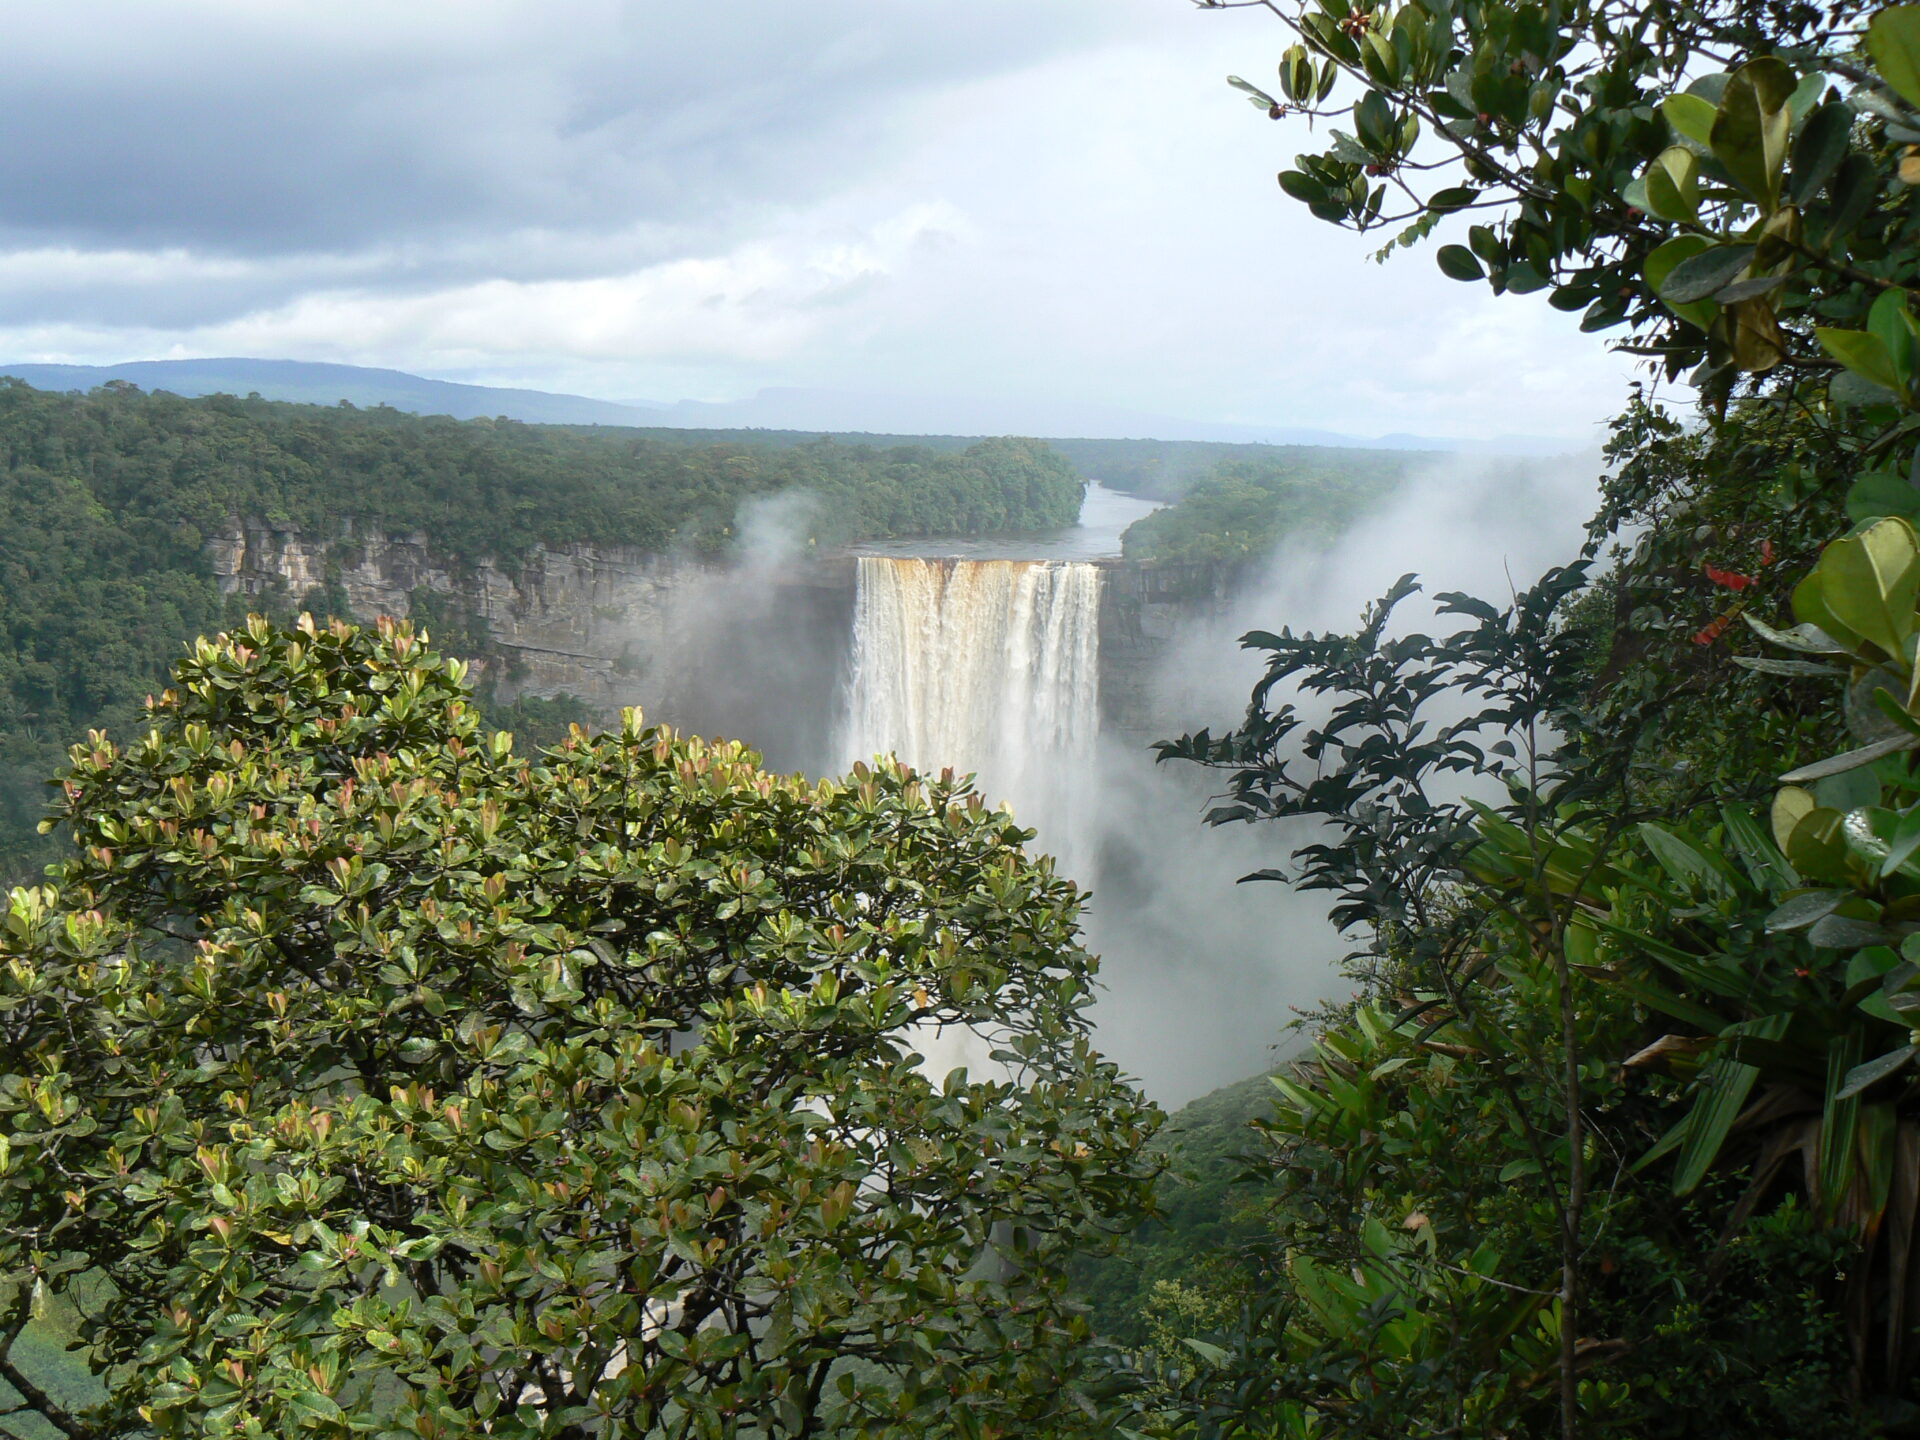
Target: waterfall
988	666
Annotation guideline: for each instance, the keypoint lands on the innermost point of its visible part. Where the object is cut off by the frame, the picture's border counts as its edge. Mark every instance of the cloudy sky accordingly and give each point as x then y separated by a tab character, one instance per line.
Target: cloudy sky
1058	200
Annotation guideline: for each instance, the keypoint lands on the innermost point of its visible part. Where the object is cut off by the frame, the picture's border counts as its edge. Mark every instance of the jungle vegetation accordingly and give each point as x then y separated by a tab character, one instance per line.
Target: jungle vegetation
1620	1133
1168	469
1245	509
367	1076
108	501
364	1074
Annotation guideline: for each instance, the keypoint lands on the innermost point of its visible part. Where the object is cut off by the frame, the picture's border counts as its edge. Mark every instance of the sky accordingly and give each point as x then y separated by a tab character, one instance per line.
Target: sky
1057	202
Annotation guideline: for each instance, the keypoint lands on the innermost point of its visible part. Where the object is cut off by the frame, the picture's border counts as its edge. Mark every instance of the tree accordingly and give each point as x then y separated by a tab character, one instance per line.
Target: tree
364	1076
1729	181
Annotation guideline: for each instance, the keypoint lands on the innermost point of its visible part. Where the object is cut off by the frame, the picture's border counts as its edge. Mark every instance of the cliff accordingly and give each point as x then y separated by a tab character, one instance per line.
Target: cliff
760	652
1145	608
757	653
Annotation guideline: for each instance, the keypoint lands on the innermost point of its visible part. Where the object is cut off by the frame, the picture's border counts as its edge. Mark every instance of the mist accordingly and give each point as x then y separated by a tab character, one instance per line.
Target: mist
1204	974
753	649
1201	974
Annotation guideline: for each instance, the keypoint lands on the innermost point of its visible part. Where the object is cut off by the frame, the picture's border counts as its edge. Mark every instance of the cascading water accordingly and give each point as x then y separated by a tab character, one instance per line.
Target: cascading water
983	666
988	666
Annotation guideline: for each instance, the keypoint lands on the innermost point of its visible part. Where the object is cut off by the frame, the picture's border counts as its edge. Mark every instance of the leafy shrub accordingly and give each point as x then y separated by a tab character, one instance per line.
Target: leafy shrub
364	1075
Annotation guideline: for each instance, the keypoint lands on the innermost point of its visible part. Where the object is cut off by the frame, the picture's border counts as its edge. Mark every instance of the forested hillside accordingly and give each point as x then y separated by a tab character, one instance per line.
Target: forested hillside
107	502
1152	469
1168	469
363	1074
1244	508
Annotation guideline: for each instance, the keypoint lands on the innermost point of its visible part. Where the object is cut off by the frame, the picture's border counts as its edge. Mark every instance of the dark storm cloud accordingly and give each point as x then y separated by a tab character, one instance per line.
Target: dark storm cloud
258	129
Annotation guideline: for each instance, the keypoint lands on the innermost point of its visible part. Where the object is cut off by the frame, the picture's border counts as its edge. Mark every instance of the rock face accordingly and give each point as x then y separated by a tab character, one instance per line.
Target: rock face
1144	609
754	654
569	620
760	653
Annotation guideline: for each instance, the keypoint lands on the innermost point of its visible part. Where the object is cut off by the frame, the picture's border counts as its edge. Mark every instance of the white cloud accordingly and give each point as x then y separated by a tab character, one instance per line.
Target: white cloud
757	304
1061	202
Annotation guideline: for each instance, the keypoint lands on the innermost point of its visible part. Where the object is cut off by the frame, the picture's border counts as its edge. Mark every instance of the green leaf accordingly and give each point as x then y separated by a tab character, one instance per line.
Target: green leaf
1691	116
1753	127
1870	581
1724	1087
1863	1077
1694	870
1862	353
1212	1354
1373	121
310	1407
1891	321
1790	806
1904	842
1817	848
1666	1002
1847	388
1673	185
1839	1118
1303	187
1259	96
1802	910
1851	759
1843	932
1819	149
1698	972
1765	864
1457	263
1869	971
1811	609
1807	639
1297	75
1806	95
1747	289
1662	263
1797	668
1700	275
1878	493
1893	40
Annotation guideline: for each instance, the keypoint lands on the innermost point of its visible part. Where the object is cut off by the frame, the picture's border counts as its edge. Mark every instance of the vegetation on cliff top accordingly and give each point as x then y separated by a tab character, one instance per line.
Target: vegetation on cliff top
1246	508
107	502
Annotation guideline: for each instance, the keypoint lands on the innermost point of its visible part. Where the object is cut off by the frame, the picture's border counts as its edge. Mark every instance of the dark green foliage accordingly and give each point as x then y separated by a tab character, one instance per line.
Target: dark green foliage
1209	1213
1168	469
537	722
484	489
1412	1264
108	501
361	1074
1621	1137
1153	469
1746	504
1248	507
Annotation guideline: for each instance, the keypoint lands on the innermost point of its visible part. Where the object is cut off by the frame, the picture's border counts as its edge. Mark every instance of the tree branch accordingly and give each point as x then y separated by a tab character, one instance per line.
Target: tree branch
43	1404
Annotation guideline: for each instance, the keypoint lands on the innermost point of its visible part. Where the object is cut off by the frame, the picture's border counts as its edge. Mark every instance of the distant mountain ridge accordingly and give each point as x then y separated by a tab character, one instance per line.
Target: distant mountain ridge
314	383
818	410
